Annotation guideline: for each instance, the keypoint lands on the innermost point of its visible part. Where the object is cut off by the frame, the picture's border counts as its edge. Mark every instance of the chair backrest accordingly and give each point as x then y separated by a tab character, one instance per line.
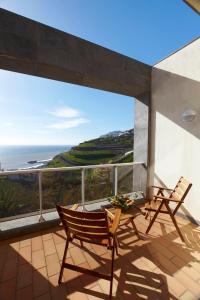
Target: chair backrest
85	225
181	189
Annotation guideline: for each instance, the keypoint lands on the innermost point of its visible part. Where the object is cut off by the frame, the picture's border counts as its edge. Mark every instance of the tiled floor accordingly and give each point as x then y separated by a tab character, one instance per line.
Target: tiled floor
158	266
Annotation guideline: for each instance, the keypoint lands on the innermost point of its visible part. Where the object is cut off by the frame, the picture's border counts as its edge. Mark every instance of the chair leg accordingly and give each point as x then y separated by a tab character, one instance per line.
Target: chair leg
116	244
63	261
174	221
154	217
134	227
176	208
112	265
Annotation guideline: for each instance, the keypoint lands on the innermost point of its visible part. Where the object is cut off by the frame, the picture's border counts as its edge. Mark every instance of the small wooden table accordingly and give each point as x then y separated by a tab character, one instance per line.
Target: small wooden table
128	216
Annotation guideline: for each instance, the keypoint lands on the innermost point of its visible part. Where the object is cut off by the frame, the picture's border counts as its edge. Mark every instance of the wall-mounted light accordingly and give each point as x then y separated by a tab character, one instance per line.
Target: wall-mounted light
189	115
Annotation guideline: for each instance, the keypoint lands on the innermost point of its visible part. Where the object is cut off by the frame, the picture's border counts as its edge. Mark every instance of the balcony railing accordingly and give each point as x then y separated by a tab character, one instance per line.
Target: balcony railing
35	191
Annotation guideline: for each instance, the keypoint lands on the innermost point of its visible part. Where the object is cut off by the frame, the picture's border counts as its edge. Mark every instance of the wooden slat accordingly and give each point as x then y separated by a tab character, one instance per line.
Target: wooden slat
92	235
176	196
184	181
99	223
182	185
111	216
82	214
88	229
180	191
102	242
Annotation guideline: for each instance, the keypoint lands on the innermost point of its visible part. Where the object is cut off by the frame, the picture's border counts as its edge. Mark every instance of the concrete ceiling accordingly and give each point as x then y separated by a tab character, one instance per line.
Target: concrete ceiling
36	49
194	4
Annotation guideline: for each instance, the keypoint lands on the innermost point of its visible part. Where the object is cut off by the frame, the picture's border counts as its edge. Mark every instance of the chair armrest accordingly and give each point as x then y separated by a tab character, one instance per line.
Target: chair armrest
161	188
166	198
116	221
110	215
74	206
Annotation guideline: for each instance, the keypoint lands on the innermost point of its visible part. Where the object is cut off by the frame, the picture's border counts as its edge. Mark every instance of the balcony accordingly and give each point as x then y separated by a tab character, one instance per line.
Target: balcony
157	266
28	197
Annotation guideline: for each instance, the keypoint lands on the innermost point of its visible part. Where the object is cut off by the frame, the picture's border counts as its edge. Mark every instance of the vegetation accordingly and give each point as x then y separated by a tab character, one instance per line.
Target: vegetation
108	149
19	193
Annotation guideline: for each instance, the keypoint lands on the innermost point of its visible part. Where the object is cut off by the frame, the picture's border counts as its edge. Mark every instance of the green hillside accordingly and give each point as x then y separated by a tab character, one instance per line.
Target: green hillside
105	149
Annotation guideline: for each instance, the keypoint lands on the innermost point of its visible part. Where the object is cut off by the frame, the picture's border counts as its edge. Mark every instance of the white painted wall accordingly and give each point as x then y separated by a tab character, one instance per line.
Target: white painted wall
175	144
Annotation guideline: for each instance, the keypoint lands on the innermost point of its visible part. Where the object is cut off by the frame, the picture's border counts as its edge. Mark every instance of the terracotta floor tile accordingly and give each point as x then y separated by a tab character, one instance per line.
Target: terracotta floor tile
44	297
77	255
96	293
59	237
187	269
49	247
187	296
87	246
92	259
165	251
10	270
172	284
105	287
37	243
7	290
53	266
3	256
158	266
60	250
190	284
25	293
12	253
25	254
78	295
165	263
24	277
69	275
15	245
99	249
24	243
40	282
47	236
57	291
38	259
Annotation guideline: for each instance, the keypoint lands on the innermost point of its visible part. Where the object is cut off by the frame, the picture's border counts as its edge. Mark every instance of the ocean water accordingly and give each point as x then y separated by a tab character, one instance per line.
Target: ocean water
17	157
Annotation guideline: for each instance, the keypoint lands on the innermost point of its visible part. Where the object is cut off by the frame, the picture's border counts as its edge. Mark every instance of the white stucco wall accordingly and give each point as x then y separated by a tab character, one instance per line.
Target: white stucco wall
175	144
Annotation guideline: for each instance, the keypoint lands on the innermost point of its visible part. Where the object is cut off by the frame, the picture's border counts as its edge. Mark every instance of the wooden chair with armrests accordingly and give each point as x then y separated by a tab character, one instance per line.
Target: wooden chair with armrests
91	227
161	203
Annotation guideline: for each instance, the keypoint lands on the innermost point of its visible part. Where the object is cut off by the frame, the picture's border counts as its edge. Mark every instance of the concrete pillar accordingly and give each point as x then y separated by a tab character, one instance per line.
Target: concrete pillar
141	142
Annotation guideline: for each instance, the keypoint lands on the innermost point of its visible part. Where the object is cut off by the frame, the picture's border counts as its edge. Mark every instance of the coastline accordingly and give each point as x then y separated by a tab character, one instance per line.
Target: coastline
16	158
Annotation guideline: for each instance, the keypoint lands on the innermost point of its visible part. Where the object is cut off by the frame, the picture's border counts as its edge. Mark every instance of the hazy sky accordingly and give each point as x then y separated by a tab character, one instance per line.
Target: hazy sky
40	111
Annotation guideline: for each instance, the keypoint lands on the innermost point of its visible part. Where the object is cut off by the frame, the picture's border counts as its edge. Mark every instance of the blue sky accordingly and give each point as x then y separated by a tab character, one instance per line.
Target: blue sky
41	111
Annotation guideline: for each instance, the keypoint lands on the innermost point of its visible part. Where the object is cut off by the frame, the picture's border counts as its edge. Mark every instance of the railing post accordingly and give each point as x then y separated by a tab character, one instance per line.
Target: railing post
83	188
41	219
115	180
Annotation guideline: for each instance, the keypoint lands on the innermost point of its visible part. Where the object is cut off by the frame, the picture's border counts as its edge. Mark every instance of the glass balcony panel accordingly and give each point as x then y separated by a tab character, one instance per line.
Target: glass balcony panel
18	194
98	183
125	179
61	187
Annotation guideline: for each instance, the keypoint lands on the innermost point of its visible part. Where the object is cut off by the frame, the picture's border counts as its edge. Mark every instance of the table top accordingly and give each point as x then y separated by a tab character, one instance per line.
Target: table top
133	211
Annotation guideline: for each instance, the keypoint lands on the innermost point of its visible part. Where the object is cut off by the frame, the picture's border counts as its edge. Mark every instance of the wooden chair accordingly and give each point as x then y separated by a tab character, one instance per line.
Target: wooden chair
161	203
90	227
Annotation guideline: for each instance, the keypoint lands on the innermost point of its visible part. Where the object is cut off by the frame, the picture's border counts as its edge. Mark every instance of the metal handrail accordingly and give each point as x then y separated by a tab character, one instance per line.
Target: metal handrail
47	170
61	169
